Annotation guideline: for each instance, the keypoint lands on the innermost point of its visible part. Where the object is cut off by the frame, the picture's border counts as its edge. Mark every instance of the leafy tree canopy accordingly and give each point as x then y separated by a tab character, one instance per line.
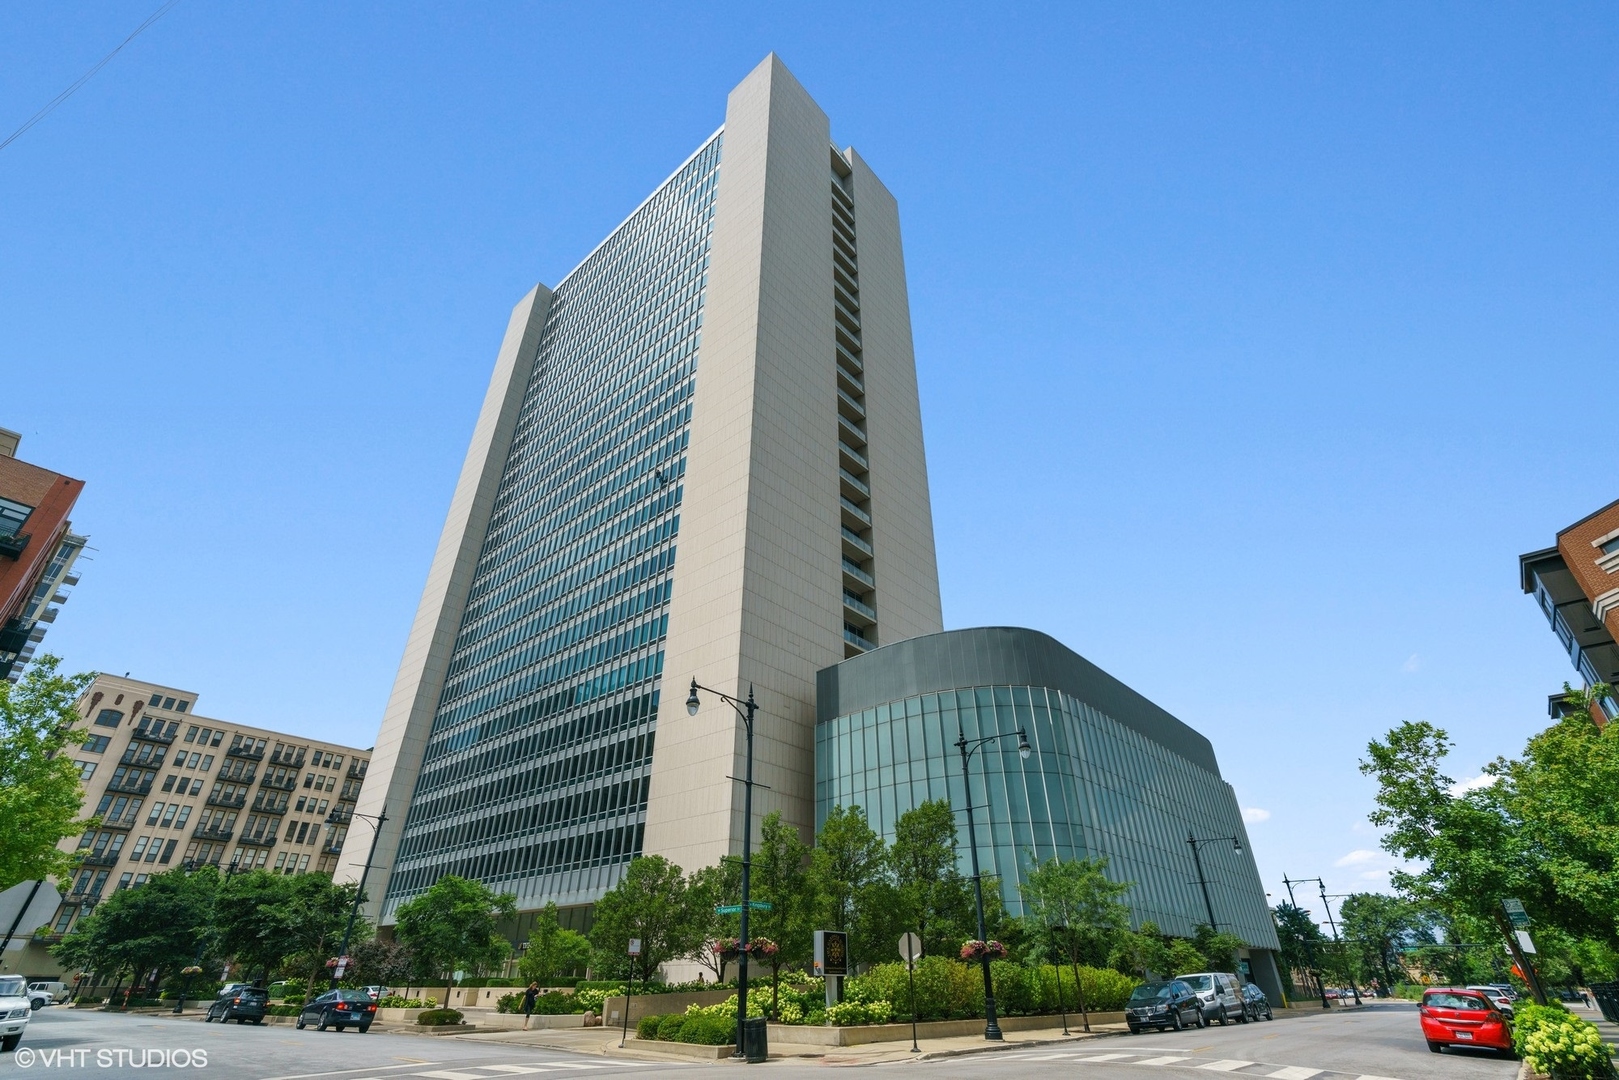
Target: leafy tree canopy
651	903
453	926
40	793
157	926
553	950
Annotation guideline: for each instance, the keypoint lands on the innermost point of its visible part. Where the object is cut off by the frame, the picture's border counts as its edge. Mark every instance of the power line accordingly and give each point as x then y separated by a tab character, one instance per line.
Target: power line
86	77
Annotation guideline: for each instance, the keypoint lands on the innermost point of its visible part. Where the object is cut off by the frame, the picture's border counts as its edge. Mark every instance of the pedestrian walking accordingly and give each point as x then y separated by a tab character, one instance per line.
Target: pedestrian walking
529	995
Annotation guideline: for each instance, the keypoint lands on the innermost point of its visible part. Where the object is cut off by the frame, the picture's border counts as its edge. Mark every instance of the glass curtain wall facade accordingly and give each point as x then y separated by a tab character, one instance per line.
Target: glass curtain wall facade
534	775
1094	786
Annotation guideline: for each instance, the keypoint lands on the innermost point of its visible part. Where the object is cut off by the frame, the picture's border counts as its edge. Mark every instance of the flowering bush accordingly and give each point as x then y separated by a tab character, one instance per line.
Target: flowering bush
591	1000
728	948
976	950
394	1001
1559	1044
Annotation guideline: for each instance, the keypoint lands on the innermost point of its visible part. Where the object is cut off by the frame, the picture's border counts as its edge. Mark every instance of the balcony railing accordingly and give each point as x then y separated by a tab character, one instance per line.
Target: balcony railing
859	608
230	802
267	840
14	545
854	637
104	858
356	771
856	541
332	849
252	753
205	832
153	735
289	784
262	805
854	571
130	786
339	817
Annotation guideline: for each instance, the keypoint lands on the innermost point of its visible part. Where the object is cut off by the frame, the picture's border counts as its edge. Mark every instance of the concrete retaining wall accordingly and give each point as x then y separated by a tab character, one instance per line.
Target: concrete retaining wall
661	1004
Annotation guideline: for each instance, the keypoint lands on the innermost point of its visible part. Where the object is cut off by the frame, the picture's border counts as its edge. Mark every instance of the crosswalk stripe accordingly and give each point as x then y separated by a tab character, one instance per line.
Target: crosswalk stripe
451	1074
1103	1057
1043	1057
1160	1061
517	1070
1293	1072
1225	1065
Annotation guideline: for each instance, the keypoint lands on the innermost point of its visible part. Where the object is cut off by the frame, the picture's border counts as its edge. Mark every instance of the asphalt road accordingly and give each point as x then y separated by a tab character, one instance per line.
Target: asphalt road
1382	1041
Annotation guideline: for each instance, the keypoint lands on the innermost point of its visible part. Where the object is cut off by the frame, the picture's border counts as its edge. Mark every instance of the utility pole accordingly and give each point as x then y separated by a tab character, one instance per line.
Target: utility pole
1353	989
1309	944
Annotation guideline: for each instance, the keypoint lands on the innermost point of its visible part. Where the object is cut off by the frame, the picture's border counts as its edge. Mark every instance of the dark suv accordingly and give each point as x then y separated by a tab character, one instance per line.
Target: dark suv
1162	1005
340	1009
1255	1003
242	1004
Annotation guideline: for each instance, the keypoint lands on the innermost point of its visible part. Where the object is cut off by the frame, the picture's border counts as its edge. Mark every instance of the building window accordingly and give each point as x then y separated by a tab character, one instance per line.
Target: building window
191	733
110	718
123	881
95	744
168	782
12	516
168	851
157	699
86	769
183	706
168	703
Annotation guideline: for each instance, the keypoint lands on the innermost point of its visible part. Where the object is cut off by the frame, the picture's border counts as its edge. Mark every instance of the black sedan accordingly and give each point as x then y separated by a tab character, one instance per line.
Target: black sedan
243	1004
340	1009
1170	1004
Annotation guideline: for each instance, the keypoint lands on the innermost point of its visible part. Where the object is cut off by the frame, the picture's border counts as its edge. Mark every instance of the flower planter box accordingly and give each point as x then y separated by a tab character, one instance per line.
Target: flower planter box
803	1034
698	1051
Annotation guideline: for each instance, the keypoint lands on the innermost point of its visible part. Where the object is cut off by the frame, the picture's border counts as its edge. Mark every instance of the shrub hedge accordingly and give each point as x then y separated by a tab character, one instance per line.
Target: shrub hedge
438	1017
948	989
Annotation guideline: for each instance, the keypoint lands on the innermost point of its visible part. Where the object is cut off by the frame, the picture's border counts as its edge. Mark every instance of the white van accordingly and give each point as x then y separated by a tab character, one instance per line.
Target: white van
14	1010
1221	995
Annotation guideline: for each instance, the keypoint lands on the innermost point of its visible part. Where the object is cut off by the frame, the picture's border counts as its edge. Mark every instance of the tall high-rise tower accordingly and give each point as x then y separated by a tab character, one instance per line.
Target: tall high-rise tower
700	456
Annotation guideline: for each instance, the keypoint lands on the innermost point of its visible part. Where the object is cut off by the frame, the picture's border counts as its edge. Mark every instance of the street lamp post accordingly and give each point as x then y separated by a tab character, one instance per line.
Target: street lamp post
746	710
1197	859
376	834
1309	945
1353	989
992	1027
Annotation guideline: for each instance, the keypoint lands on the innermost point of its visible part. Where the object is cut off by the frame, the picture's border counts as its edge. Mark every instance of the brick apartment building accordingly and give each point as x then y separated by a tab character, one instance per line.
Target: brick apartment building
1576	584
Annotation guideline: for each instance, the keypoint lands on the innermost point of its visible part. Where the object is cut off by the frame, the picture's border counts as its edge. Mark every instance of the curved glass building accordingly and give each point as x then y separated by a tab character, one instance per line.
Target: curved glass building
1111	774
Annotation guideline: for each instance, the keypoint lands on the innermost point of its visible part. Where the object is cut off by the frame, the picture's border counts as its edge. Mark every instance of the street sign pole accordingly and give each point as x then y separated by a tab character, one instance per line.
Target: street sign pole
910	948
629	988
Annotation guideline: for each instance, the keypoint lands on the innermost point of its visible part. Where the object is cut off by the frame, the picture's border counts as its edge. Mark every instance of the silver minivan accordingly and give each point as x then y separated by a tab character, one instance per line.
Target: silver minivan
1221	995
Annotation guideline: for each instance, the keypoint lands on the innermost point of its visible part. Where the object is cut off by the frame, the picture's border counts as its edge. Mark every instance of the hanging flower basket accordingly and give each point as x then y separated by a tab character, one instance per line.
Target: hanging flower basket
332	963
981	950
192	970
727	949
762	948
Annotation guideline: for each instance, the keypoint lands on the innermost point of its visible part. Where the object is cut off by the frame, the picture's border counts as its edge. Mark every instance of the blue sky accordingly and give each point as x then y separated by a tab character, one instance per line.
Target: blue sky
1255	341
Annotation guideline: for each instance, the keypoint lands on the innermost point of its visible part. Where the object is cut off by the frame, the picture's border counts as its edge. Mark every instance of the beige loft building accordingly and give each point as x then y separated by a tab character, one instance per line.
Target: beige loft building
172	787
700	456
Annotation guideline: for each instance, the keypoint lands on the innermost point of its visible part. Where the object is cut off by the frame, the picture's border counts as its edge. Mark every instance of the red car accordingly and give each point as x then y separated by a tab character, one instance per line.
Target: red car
1456	1017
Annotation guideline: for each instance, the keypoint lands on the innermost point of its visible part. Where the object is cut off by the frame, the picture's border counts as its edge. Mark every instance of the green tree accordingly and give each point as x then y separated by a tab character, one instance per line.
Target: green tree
153	928
936	901
453	926
1301	939
710	888
40	793
651	903
1074	911
1219	951
266	922
1380	926
553	950
781	878
379	960
849	867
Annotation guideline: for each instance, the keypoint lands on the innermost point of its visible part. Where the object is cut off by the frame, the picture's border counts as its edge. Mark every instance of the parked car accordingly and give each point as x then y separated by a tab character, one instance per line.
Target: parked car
1220	994
14	1011
1458	1016
38	999
242	1004
1499	997
377	992
340	1009
1171	1004
57	990
1255	1003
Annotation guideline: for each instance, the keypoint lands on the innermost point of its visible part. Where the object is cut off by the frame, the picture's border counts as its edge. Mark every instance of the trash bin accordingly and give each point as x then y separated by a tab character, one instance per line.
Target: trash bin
1607	995
755	1041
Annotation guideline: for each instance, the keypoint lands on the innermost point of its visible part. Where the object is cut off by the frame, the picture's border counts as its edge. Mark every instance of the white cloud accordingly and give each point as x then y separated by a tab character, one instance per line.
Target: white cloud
1412	663
1360	857
1462	787
1253	815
